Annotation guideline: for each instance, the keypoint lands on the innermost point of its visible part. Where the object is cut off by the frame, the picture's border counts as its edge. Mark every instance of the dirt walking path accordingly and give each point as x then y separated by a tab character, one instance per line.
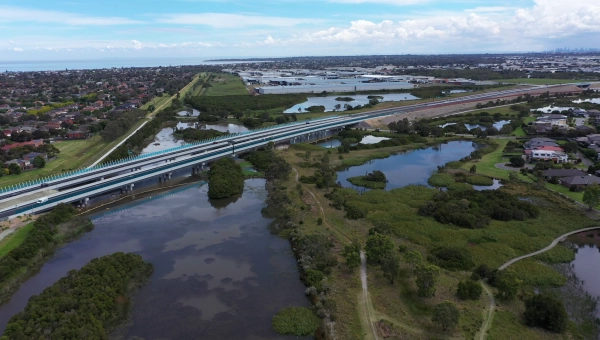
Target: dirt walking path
487	324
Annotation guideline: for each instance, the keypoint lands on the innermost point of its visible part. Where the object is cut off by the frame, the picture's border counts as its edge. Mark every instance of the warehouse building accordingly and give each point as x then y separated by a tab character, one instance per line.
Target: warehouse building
338	87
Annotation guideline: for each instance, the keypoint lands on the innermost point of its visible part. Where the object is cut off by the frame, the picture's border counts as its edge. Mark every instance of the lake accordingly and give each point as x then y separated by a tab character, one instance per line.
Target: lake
413	167
334	143
165	139
498	125
218	272
329	102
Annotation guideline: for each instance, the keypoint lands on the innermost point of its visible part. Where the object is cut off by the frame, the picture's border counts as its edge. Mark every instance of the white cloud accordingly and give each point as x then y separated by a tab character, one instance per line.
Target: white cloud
136	44
17	49
224	20
20	14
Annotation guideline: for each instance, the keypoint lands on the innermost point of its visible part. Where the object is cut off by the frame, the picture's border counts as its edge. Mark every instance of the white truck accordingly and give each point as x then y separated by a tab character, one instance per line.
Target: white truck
42	200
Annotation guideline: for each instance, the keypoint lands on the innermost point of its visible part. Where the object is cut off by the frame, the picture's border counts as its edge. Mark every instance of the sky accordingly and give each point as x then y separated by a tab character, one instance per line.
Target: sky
79	30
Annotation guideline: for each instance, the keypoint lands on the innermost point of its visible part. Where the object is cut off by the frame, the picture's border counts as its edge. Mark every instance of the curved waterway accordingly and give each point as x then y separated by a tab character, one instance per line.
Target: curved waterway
218	272
412	167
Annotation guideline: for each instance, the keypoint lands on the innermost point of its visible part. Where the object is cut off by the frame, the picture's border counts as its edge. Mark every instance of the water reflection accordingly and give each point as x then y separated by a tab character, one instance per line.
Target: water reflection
163	140
219	274
329	102
186	113
494	186
413	167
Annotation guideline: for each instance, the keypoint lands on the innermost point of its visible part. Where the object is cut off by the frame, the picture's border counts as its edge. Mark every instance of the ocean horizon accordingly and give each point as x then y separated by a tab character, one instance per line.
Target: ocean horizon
58	65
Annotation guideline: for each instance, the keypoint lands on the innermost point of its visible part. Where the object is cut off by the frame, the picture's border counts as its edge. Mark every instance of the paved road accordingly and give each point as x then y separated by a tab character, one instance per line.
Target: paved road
552	245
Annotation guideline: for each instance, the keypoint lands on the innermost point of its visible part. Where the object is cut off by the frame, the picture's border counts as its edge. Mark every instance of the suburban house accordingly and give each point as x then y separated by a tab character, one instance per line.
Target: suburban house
538	142
553	119
30	156
77	135
579	182
23	164
36	142
560	173
547	153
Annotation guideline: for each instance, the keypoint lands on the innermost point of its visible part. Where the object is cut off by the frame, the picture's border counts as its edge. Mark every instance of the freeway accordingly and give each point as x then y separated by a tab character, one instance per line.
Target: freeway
83	183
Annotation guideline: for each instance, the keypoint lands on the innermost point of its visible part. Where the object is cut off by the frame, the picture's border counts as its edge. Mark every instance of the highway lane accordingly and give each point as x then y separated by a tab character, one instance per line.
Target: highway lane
117	182
86	175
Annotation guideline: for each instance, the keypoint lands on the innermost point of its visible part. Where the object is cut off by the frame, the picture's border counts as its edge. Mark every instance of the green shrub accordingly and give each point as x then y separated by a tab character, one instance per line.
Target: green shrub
469	290
479	180
226	179
558	254
440	180
299	321
452	258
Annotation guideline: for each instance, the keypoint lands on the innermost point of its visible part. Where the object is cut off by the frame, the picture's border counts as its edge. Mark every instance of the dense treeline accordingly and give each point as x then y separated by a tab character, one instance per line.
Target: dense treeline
267	162
226	179
39	243
120	122
474	209
191	134
240	104
85	304
486	74
150	129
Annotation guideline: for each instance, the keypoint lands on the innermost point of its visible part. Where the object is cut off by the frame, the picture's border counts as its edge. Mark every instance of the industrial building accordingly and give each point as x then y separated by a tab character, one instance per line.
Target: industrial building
335	87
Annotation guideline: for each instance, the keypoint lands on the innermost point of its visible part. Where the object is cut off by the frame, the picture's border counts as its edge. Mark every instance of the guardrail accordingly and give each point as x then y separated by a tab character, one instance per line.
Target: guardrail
123	180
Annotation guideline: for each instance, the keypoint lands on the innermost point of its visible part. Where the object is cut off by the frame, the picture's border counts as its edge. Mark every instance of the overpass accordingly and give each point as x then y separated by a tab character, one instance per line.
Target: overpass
80	185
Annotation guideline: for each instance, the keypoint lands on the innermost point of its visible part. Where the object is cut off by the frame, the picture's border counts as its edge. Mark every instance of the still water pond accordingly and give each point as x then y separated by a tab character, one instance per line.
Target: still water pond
329	102
218	272
165	140
587	258
413	167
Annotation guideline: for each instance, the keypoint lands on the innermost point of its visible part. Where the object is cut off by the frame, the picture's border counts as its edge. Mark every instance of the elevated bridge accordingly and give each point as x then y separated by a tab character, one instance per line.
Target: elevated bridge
80	185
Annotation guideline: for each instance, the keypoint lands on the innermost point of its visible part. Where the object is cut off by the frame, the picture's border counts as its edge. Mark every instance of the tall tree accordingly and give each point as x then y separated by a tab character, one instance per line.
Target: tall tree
591	195
426	275
446	314
413	257
507	283
546	311
352	256
377	247
390	264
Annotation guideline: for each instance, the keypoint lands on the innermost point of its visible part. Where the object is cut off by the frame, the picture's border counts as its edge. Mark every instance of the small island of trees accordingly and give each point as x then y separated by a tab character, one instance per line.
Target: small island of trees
373	180
85	304
226	179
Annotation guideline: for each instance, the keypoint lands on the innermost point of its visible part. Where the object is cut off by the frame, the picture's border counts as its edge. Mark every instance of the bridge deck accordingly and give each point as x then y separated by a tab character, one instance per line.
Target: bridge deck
26	198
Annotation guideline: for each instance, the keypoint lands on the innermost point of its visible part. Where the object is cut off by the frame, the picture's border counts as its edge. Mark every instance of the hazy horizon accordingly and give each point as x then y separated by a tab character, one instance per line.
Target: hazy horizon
55	30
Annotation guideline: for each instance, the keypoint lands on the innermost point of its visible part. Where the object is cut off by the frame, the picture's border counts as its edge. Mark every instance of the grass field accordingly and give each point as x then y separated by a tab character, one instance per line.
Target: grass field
540	81
397	209
226	85
13	240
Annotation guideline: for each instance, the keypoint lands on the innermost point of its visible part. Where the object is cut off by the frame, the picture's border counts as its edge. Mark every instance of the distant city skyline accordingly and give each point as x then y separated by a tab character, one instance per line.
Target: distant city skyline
77	30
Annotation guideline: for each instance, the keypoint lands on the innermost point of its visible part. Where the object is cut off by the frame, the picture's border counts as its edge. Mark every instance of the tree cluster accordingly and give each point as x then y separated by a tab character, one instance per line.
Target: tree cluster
37	241
85	304
266	161
324	176
150	129
121	122
451	258
240	104
475	209
191	134
469	290
226	179
546	311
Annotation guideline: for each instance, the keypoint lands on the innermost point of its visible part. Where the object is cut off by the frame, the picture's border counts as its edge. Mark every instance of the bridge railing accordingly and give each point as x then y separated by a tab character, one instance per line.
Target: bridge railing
72	173
127	179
